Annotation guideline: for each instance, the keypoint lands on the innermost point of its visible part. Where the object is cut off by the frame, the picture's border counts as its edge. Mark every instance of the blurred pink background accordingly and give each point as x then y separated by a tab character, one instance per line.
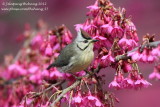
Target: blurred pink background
145	15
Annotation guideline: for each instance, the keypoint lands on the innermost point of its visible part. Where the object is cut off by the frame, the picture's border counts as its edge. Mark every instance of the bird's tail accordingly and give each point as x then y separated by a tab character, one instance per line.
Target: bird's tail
50	66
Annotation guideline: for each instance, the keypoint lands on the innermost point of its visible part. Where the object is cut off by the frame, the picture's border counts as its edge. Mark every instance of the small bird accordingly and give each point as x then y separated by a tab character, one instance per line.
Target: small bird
76	56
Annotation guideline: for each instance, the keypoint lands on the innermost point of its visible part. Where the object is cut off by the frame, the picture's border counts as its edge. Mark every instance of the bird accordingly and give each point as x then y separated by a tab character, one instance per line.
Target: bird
76	56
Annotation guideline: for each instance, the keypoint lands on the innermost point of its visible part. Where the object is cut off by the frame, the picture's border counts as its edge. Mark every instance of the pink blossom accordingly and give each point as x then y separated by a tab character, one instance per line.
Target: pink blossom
146	56
126	67
156	51
96	62
56	47
92	100
141	83
99	38
78	98
93	7
53	39
84	26
155	74
130	26
67	37
128	83
36	78
16	68
78	27
106	60
81	73
107	28
135	55
45	73
37	41
33	69
48	50
127	43
117	31
43	47
118	81
98	21
114	84
54	74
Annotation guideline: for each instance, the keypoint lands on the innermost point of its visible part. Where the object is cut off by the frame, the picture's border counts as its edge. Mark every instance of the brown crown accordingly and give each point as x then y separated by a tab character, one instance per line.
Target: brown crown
85	34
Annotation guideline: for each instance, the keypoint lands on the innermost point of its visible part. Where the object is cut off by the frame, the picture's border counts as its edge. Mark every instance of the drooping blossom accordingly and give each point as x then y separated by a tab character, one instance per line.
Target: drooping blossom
155	74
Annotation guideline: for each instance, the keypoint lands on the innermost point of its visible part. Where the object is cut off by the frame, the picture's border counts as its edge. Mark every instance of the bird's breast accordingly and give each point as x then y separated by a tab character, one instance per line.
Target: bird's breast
82	61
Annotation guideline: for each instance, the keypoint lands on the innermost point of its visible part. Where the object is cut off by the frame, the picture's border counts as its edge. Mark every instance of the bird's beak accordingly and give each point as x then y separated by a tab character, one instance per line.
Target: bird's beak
94	40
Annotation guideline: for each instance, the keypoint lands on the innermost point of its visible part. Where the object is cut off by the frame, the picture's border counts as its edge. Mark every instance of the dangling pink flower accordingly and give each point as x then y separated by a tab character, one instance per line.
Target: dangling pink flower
106	60
36	42
114	84
93	7
43	47
117	31
155	74
118	81
126	67
17	69
98	37
56	47
156	51
91	100
134	36
33	69
142	83
96	63
127	44
55	74
78	27
45	73
146	56
36	78
130	26
53	39
48	51
77	99
81	73
135	55
107	28
98	21
128	83
67	37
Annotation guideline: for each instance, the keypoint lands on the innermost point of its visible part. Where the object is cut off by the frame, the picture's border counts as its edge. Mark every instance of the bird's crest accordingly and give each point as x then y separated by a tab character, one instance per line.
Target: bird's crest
85	34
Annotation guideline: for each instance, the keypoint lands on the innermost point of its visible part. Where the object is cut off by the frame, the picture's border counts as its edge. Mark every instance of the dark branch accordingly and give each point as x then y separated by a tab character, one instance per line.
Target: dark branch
149	45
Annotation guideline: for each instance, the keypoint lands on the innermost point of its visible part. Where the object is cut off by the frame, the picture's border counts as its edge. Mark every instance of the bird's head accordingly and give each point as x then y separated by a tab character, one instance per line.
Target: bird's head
84	40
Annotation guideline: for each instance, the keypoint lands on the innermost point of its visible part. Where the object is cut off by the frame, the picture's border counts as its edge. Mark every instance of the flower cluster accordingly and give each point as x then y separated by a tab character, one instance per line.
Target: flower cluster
24	80
146	53
29	66
88	99
118	36
134	80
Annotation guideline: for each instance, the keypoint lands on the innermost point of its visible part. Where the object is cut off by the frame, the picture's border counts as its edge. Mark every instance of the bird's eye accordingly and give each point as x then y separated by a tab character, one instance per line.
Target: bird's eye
86	41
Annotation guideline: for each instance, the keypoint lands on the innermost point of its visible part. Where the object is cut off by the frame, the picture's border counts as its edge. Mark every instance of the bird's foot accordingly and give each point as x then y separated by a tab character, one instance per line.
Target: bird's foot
78	77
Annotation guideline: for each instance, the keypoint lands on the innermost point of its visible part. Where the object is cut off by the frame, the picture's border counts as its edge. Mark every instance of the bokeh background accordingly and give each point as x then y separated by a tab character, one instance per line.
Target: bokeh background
145	15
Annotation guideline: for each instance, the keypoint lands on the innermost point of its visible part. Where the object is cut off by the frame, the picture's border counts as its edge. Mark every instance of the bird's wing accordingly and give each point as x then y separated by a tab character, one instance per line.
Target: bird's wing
65	55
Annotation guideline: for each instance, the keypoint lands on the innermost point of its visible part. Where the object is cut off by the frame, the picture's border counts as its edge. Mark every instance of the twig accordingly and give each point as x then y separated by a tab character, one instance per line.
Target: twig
47	89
